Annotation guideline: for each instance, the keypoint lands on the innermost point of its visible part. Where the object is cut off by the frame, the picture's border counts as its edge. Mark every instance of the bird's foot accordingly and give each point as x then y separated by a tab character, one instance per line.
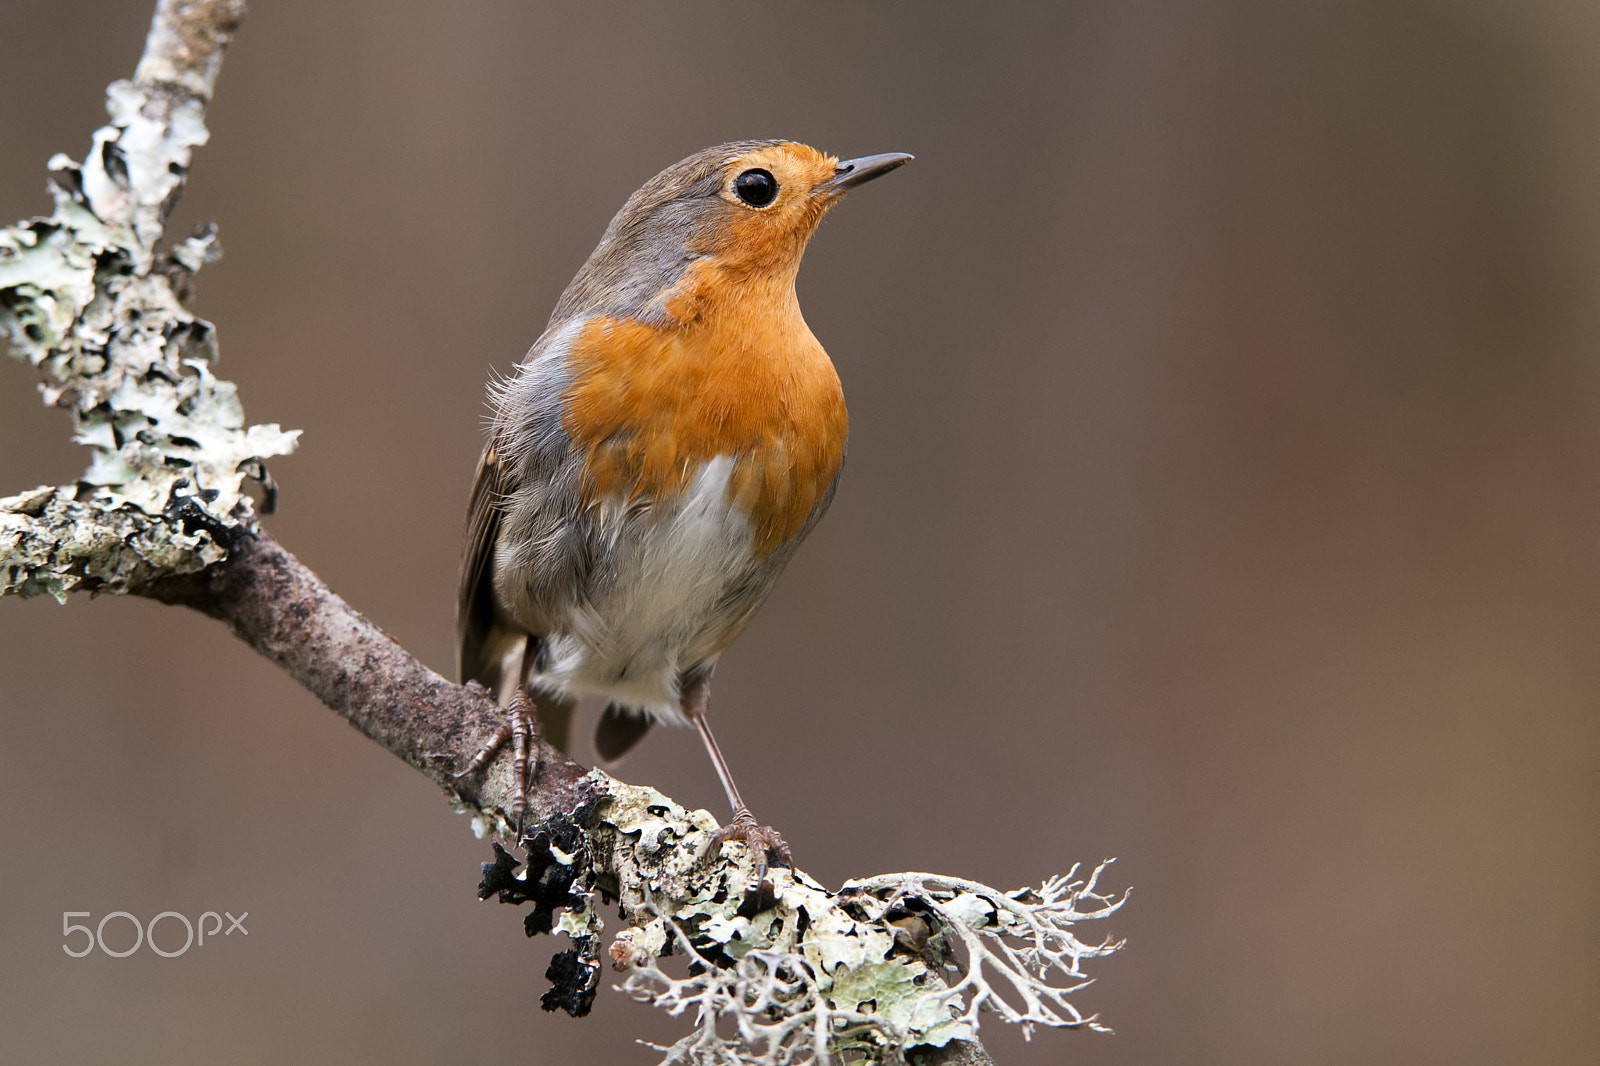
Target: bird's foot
767	847
518	729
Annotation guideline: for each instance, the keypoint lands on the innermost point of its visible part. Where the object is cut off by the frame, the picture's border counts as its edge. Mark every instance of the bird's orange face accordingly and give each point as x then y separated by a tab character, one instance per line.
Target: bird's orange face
772	200
746	209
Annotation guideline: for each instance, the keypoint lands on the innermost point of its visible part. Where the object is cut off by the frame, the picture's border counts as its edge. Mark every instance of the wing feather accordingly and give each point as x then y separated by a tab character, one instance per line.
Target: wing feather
479	646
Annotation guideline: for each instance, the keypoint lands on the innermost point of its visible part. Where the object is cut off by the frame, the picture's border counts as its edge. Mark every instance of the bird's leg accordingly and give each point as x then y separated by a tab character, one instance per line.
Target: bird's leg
761	839
517	728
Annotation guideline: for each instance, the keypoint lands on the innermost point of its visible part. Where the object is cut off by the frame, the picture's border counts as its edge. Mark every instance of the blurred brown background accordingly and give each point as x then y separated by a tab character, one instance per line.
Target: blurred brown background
1223	495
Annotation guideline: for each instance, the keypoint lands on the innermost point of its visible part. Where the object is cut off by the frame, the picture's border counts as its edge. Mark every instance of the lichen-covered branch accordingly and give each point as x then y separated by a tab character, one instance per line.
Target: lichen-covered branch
885	964
890	969
90	298
789	973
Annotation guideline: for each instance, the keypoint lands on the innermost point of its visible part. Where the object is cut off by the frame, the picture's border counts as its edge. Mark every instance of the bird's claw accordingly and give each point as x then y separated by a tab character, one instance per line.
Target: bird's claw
765	845
517	728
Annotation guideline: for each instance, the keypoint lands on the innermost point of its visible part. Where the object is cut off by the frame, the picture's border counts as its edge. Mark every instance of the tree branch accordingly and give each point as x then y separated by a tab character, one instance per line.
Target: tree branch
890	969
276	605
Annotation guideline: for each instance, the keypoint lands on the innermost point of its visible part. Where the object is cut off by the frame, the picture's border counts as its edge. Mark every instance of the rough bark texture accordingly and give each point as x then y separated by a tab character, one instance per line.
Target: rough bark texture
275	604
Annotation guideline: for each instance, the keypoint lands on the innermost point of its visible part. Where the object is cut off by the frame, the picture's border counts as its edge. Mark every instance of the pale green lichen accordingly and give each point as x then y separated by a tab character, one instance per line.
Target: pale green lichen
581	919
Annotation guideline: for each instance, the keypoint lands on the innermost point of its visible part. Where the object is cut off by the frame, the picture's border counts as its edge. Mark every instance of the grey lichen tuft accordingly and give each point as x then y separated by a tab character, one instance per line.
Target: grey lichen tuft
88	298
885	965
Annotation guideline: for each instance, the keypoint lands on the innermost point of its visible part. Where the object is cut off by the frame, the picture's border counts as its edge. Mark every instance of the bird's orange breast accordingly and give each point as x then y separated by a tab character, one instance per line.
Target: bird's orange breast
734	371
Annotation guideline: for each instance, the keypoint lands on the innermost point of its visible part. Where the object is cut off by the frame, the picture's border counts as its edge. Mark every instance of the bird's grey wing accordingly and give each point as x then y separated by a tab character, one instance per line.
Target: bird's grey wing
484	637
479	647
549	540
518	467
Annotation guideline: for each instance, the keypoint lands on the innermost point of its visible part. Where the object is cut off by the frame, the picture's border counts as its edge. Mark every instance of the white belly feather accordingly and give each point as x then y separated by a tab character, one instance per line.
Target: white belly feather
658	613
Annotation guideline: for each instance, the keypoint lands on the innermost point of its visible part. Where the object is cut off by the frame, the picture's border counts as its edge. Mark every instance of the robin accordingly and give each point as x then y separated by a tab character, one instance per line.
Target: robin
657	458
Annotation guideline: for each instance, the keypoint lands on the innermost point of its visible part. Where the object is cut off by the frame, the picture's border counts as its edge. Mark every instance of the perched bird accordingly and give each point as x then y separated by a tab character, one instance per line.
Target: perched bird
657	458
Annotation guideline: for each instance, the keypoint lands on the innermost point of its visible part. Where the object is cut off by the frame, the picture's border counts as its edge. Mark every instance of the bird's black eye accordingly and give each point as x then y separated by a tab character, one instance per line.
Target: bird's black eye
757	187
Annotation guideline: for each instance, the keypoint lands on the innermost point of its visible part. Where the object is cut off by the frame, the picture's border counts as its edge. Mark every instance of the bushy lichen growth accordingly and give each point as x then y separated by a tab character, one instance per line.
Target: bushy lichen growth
806	975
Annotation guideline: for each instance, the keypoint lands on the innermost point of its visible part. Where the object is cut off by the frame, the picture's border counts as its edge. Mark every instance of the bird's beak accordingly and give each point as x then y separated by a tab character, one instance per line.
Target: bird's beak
852	172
